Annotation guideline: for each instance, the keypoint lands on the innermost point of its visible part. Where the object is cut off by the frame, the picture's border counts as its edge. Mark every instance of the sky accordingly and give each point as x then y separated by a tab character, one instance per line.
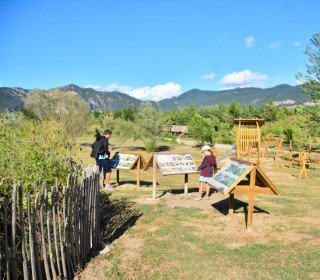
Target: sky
154	49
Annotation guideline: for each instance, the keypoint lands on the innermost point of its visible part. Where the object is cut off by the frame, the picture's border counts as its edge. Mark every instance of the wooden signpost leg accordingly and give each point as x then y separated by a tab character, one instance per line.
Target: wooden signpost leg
138	172
154	177
231	205
118	176
186	179
251	198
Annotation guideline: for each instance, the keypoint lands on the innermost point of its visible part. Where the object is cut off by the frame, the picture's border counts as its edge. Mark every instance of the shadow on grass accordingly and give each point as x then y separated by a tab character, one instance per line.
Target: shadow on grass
134	182
129	148
117	216
163	148
223	207
190	190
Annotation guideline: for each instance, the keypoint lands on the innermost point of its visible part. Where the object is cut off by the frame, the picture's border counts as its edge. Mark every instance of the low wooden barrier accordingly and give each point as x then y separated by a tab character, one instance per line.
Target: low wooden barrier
52	235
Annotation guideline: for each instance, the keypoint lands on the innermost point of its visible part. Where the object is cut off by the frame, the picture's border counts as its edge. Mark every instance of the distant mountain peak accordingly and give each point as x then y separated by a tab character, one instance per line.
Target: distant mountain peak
281	95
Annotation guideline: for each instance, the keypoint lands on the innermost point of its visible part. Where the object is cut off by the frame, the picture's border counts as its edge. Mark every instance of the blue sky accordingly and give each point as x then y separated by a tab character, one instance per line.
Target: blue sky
154	49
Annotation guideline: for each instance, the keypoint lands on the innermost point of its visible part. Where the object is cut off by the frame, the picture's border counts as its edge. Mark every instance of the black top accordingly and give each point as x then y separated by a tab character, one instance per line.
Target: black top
102	146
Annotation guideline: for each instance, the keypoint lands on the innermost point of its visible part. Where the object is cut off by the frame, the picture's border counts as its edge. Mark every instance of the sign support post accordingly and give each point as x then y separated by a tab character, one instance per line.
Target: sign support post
138	172
231	204
154	177
186	179
118	176
251	197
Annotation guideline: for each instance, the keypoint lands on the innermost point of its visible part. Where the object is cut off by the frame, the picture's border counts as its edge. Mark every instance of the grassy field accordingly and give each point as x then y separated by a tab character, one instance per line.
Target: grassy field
177	237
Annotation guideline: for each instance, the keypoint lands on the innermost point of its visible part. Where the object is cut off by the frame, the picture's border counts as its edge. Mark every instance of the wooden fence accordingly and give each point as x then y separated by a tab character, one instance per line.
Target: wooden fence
52	235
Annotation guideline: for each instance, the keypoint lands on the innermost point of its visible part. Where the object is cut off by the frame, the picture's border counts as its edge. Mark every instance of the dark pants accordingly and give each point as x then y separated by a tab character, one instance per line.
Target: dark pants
105	166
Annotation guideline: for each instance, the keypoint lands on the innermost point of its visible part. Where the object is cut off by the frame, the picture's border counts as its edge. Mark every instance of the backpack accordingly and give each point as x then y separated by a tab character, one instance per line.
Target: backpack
94	149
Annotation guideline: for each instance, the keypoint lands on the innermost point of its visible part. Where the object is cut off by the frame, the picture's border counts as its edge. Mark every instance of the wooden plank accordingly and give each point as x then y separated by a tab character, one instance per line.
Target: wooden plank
245	190
149	163
266	181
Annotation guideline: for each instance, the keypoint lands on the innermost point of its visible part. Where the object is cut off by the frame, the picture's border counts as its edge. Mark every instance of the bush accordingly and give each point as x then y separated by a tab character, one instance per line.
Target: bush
151	145
32	153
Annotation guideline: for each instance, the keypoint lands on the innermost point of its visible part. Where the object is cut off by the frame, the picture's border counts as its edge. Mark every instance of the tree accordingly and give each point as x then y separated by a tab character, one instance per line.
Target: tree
151	124
127	114
201	129
311	80
65	108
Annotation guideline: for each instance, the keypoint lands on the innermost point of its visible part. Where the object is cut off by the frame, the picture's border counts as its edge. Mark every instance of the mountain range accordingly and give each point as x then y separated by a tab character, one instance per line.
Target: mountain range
282	95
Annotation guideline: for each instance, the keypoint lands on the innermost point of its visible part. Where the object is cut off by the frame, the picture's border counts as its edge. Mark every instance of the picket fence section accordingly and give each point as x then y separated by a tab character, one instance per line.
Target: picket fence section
52	235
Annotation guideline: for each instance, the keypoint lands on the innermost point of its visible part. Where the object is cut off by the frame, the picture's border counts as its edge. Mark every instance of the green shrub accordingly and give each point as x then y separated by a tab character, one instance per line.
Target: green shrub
32	153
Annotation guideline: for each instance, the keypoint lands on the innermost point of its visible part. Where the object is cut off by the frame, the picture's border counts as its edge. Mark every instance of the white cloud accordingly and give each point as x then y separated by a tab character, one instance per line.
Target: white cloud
275	45
242	79
296	43
112	87
155	93
249	41
209	76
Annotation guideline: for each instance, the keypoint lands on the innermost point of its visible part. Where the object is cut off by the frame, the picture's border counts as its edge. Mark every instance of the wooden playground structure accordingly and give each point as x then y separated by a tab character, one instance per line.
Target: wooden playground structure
248	139
252	147
272	141
303	157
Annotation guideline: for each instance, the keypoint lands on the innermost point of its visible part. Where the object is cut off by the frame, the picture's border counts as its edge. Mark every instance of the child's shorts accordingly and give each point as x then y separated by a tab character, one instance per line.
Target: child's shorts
204	179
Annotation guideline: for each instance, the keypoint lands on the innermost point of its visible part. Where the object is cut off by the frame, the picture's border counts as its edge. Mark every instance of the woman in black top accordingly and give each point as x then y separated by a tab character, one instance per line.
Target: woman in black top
103	157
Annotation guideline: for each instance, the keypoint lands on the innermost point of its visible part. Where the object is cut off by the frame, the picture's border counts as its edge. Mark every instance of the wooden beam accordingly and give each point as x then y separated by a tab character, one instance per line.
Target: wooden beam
245	190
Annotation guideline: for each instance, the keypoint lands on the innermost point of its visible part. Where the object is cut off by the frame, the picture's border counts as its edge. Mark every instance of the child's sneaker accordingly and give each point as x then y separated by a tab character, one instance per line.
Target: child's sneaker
198	198
207	197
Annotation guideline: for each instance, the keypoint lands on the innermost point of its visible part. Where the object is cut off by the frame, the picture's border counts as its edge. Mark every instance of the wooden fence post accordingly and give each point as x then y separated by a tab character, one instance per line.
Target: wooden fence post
63	258
34	229
43	240
23	241
14	233
6	245
55	234
31	240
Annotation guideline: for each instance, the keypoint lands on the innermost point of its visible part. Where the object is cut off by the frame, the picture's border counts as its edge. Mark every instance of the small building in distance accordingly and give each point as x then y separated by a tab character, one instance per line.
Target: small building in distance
179	130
